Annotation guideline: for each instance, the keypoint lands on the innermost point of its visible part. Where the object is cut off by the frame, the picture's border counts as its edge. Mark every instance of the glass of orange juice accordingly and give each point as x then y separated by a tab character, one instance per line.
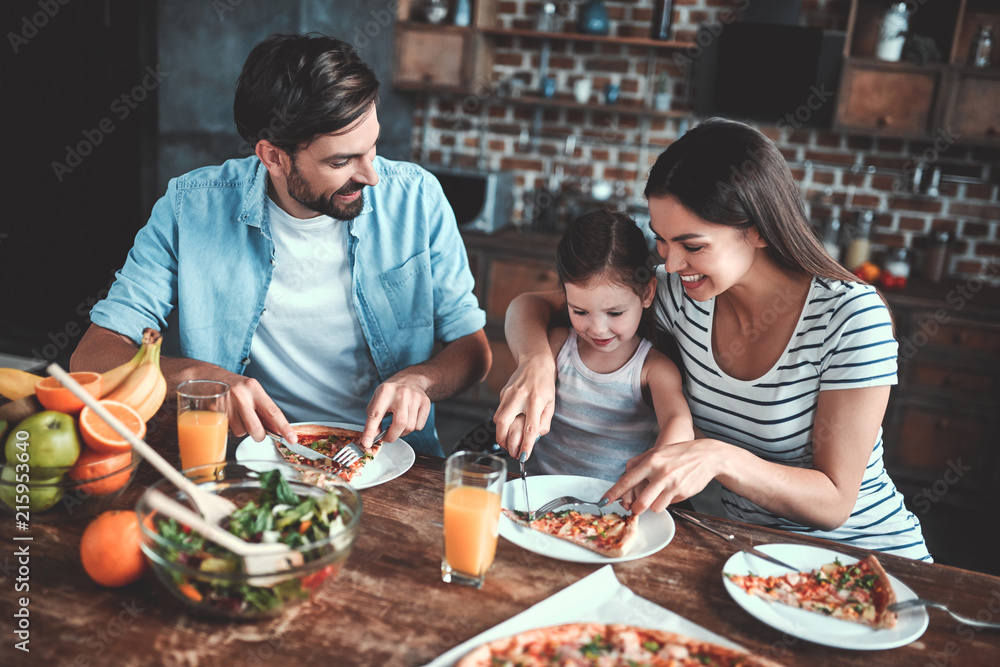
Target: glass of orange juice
473	483
202	422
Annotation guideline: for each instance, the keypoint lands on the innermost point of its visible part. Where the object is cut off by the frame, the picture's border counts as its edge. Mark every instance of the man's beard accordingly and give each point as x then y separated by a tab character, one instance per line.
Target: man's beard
300	190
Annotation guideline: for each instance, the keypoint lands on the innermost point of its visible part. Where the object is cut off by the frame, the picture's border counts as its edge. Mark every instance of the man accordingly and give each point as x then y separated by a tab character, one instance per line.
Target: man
313	277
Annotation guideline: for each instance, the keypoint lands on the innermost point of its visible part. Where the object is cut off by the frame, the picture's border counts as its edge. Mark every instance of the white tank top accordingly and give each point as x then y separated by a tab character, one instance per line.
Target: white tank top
600	419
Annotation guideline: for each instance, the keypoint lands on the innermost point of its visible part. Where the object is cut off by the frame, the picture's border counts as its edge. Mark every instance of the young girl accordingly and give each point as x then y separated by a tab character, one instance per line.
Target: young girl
615	395
788	357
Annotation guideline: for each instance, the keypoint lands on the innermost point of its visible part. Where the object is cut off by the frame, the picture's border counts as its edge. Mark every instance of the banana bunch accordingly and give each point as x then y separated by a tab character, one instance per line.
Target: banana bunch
139	383
15	384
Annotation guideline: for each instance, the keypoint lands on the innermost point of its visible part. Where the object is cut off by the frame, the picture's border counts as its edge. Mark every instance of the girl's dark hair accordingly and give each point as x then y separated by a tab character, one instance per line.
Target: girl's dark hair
605	244
296	87
728	173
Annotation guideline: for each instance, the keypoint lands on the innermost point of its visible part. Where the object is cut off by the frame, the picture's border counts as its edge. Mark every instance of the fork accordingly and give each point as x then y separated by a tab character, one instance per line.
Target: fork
213	507
921	602
258	559
564	500
351	452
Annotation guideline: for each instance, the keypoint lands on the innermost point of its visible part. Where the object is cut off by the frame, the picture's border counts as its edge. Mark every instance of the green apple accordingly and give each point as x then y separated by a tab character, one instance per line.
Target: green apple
51	442
40	498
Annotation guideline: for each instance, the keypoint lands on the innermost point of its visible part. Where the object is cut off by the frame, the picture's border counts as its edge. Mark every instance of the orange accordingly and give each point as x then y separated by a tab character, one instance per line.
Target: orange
100	437
109	549
93	464
54	396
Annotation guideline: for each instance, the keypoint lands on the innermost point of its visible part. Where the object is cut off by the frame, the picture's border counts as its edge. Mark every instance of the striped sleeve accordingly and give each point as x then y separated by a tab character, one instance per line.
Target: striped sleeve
858	349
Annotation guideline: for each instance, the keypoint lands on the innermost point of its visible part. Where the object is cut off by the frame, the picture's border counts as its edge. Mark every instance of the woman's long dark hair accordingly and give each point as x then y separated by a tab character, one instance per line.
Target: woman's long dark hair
728	173
609	245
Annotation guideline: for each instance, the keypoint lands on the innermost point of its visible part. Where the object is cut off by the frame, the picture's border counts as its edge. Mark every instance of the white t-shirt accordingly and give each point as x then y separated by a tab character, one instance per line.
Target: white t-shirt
308	351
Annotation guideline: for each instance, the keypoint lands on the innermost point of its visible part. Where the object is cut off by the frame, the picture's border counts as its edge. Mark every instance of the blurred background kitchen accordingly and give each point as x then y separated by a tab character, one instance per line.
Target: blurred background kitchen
529	112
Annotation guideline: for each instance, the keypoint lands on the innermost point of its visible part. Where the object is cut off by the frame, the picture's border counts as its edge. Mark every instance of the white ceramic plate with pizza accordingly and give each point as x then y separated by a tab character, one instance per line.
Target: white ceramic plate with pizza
655	530
810	625
392	460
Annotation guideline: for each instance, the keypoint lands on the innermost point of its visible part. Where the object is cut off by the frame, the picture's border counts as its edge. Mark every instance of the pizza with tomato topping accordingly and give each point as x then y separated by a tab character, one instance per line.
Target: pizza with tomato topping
610	534
327	440
860	593
611	645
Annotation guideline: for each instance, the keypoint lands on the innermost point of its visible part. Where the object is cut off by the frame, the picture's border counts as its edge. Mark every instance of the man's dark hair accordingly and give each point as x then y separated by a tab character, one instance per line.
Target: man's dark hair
294	88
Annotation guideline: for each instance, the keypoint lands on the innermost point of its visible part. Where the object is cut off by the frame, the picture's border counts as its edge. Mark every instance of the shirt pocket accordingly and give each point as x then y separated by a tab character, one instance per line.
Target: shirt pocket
410	292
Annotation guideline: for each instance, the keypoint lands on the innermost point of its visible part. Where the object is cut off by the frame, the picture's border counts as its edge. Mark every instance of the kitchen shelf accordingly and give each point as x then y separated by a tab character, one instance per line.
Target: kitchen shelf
579	37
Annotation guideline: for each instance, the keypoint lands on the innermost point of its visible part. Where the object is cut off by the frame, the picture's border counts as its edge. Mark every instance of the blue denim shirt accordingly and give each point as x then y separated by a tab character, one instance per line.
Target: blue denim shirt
207	251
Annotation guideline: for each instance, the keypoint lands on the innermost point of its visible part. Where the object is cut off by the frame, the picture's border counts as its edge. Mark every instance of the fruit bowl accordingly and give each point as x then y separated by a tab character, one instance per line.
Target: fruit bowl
64	494
210	579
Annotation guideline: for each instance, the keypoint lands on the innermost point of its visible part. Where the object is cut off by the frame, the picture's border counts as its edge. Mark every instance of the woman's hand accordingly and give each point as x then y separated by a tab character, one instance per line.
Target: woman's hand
526	404
667	474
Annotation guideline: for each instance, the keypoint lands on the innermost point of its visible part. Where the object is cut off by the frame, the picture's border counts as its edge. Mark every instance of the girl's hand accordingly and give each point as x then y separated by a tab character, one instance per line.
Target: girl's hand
667	474
526	404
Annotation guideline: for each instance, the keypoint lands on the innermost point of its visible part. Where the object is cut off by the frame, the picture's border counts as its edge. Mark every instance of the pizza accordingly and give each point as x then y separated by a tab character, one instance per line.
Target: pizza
327	440
610	535
859	593
614	645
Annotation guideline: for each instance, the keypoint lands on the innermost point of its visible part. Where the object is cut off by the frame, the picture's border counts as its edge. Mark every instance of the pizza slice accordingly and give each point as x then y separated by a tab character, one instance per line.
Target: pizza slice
328	440
610	535
860	592
597	644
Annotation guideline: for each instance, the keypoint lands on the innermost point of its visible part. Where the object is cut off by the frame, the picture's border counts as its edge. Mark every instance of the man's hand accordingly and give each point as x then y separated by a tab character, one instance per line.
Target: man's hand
409	404
251	410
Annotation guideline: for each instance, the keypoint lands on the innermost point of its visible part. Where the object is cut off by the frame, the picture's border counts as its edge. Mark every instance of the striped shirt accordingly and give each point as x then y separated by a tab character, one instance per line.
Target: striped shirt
600	420
843	339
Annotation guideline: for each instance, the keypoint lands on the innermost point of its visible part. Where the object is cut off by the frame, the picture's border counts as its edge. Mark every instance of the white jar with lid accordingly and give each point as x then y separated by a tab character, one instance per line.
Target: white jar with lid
892	32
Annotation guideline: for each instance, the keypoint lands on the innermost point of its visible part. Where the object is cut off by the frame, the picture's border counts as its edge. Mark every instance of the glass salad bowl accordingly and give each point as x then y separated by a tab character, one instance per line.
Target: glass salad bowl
315	514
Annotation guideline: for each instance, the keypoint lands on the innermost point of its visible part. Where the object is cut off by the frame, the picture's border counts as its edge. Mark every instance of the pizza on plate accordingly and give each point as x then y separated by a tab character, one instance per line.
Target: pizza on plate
327	440
860	592
614	645
610	534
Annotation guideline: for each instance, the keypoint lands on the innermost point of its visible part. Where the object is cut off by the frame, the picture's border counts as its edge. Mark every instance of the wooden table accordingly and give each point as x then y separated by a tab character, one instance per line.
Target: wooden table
390	607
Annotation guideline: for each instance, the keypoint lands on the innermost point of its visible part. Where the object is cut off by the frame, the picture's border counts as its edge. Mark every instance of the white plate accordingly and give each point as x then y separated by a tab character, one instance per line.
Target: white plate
655	530
810	625
392	460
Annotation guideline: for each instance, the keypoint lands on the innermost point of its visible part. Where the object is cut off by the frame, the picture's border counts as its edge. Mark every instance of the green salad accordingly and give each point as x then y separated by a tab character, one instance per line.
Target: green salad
278	515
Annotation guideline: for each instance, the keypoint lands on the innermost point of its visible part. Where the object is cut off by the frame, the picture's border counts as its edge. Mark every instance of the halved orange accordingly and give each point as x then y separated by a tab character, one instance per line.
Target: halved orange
92	464
54	396
100	437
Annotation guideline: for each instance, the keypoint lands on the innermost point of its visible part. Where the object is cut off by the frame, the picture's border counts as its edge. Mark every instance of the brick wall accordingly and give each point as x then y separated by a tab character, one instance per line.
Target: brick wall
846	171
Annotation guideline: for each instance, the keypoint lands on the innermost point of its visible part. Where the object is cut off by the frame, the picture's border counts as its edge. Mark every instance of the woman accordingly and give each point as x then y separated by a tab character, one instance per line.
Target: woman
788	358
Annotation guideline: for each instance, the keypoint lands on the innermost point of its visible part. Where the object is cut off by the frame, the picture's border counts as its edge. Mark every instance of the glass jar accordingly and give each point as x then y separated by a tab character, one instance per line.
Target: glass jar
892	32
831	238
936	260
982	48
594	19
860	248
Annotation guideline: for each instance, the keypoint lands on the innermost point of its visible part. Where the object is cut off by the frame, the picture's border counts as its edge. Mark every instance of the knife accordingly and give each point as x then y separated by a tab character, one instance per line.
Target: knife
729	537
524	481
302	450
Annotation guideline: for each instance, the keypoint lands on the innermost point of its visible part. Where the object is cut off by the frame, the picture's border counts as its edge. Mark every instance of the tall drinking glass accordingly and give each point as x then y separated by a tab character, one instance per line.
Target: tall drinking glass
202	422
473	483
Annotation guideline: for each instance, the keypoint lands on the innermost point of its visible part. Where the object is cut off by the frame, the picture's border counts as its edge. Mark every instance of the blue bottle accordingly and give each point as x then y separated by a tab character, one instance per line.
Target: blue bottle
594	18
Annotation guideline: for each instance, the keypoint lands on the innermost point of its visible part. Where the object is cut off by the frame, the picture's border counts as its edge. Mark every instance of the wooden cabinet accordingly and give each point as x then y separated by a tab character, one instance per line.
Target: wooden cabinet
941	426
908	99
432	57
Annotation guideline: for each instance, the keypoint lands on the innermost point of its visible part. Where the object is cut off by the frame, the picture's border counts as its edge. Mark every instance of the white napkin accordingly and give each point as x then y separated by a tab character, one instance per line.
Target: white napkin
598	597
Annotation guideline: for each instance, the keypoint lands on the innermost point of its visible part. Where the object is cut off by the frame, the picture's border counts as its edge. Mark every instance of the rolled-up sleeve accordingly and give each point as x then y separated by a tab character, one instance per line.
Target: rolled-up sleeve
145	288
456	309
